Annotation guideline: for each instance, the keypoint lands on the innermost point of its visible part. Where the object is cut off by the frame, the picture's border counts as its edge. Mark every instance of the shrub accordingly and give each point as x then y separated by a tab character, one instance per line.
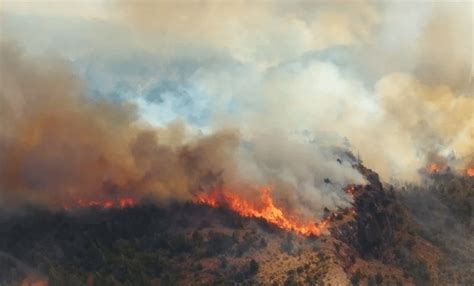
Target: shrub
253	267
378	279
219	242
197	238
355	279
371	281
287	244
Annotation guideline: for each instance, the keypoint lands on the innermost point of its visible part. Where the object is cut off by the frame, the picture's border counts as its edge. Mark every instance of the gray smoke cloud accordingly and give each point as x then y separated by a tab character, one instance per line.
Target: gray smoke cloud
283	84
399	87
58	145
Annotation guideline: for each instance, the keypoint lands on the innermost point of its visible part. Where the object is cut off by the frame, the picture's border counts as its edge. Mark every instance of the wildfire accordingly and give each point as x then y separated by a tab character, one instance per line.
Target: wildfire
470	172
264	209
351	190
103	204
433	168
34	282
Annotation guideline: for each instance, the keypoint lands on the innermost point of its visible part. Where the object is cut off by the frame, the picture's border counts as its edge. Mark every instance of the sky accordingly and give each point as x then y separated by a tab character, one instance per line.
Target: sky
392	81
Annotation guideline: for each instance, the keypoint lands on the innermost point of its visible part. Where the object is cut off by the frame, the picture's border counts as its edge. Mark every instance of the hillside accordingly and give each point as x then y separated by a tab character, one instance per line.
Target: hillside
377	242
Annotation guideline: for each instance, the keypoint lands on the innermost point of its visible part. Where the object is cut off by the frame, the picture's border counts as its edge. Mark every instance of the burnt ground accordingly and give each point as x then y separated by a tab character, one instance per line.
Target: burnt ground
381	243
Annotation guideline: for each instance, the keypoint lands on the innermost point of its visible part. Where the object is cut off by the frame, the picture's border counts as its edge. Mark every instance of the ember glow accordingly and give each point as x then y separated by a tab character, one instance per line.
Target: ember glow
433	168
351	189
470	172
34	282
265	209
119	203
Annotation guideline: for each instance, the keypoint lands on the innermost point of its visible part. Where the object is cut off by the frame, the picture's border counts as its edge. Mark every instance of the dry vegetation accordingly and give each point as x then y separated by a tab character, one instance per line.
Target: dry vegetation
379	242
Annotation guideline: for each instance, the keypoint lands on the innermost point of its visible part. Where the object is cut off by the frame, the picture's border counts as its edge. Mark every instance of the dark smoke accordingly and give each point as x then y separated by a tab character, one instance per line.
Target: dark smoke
58	145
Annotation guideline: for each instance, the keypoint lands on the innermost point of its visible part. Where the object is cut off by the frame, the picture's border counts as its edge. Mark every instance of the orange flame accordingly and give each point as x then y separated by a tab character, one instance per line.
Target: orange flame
433	168
34	282
103	204
470	172
351	190
265	209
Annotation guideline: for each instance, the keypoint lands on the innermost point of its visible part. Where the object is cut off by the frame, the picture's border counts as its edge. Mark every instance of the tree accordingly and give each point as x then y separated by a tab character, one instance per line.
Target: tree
253	267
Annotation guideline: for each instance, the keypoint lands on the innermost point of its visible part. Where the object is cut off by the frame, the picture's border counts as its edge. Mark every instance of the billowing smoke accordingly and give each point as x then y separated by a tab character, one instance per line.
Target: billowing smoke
397	85
58	145
256	93
264	32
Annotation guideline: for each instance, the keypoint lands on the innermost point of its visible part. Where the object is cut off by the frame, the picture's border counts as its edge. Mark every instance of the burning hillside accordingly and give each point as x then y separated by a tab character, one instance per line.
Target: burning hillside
236	143
264	208
63	148
215	240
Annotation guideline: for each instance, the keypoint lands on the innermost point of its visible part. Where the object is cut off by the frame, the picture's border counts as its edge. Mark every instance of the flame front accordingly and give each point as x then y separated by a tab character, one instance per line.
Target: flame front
264	209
